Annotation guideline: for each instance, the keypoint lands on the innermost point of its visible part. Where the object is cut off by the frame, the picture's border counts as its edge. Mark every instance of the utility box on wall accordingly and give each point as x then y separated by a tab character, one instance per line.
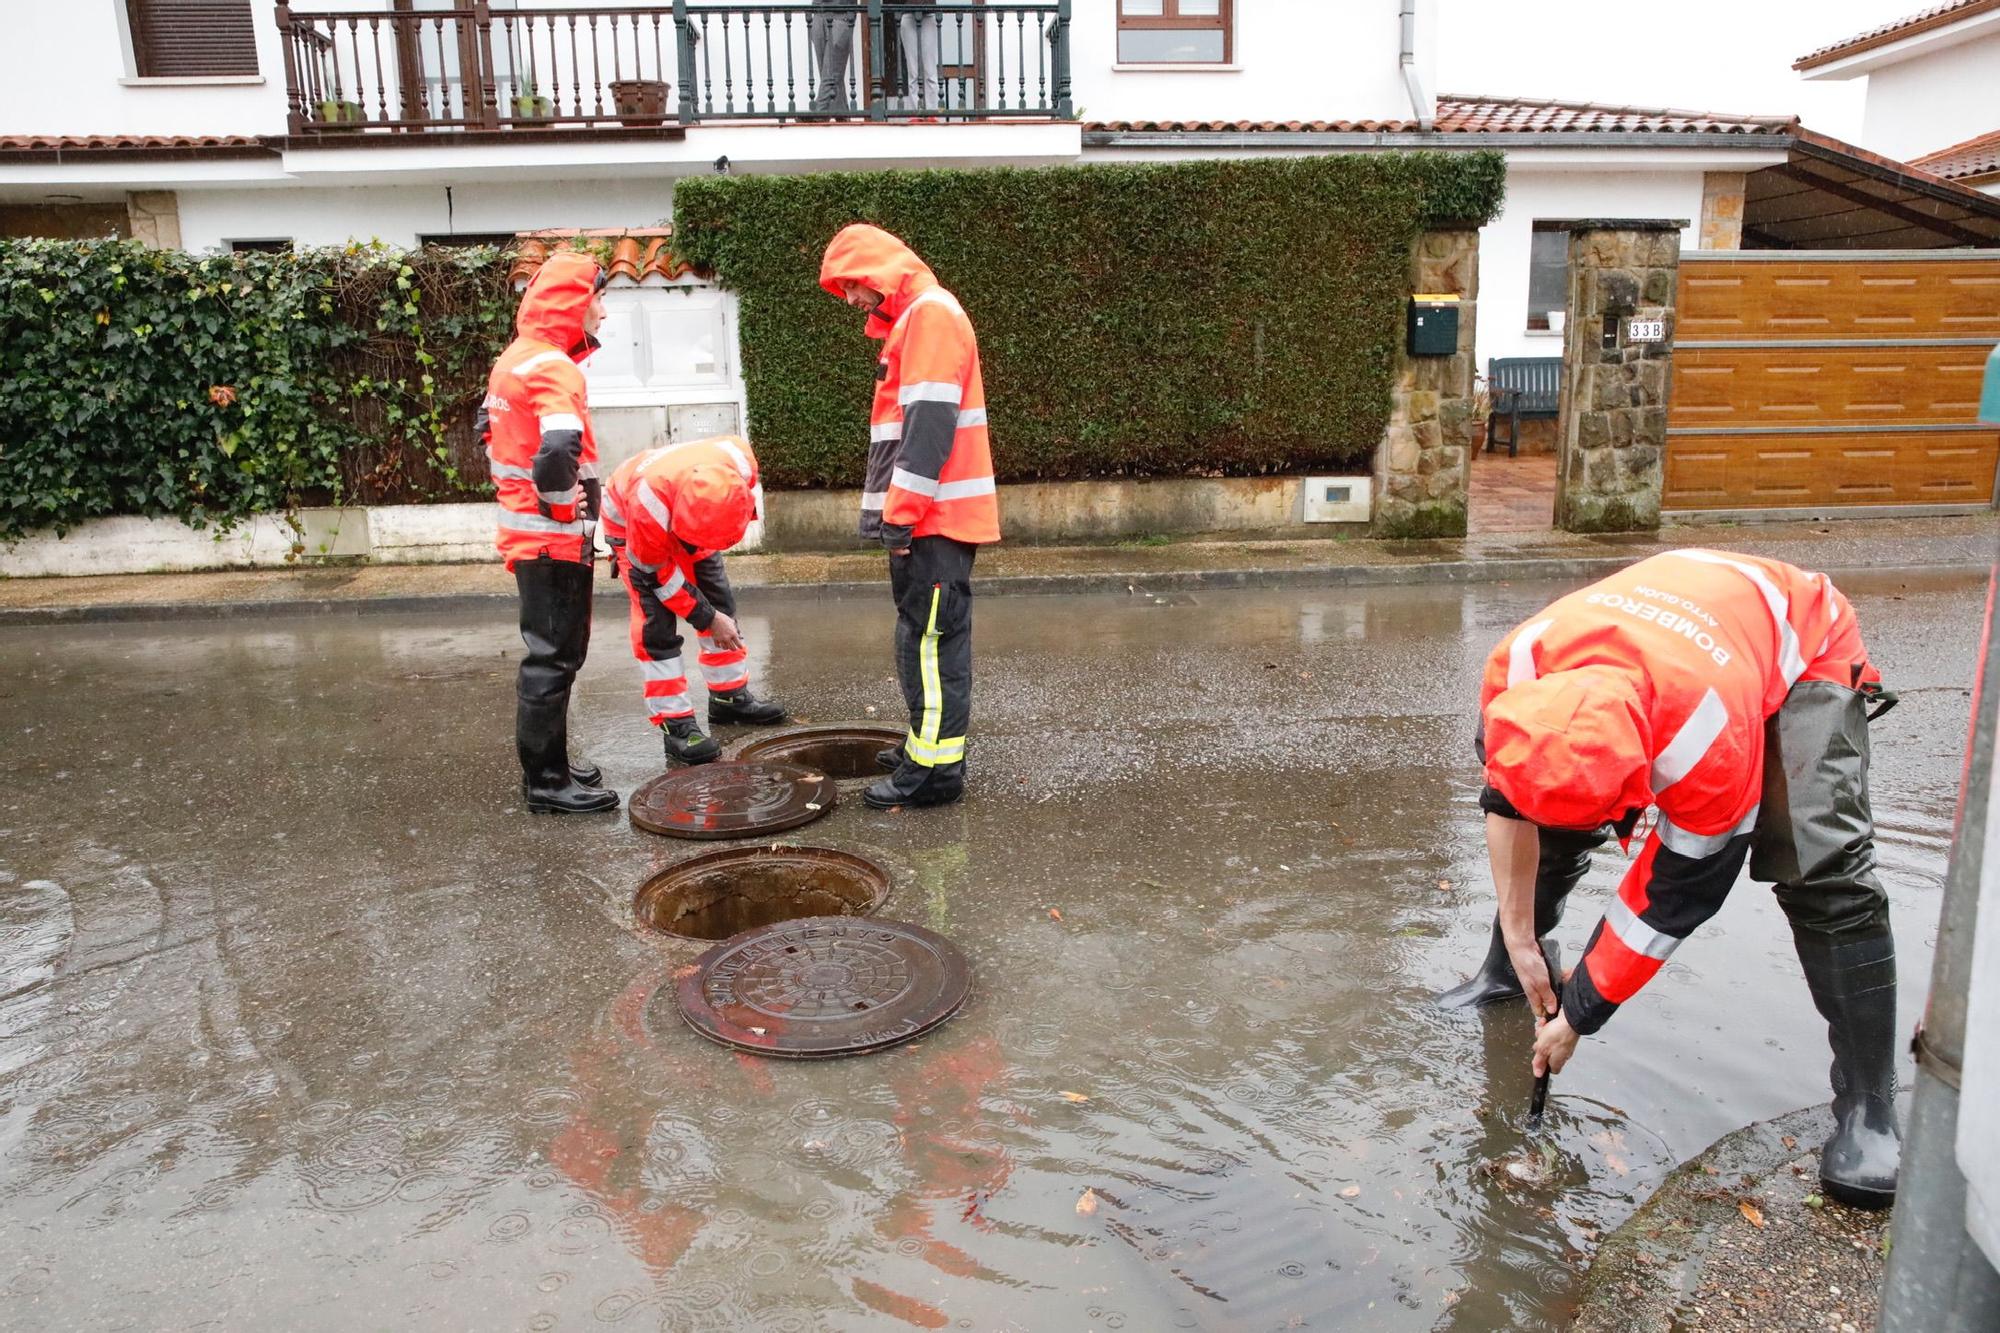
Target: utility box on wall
1336	500
1433	325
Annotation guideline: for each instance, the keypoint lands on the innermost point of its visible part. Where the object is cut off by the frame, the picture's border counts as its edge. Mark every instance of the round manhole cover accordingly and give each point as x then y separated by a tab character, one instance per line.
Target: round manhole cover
732	800
718	894
844	750
823	986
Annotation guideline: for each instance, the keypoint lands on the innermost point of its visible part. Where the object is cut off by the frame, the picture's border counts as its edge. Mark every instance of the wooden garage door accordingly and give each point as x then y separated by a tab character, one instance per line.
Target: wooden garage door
1817	381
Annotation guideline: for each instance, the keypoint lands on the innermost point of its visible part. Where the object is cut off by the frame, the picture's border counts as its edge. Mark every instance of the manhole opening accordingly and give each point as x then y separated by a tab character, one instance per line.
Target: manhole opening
718	895
842	752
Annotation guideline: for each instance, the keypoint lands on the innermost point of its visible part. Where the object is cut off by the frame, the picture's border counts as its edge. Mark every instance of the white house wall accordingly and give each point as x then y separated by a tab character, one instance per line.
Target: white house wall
1943	98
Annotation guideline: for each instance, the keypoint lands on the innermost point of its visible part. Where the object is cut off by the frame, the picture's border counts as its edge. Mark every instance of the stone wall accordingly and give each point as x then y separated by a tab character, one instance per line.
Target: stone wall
1722	194
1612	431
1423	464
155	218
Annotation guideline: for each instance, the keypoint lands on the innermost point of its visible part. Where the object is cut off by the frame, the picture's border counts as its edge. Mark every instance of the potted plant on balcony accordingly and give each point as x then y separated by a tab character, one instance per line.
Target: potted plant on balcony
641	103
530	104
338	113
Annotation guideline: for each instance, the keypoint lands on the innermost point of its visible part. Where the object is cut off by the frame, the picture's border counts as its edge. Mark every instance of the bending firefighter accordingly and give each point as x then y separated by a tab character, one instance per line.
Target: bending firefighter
669	513
536	425
929	497
1732	693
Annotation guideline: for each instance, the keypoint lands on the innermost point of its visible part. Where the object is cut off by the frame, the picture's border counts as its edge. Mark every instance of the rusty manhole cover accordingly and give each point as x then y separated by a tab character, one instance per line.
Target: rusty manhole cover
823	986
732	800
718	894
845	751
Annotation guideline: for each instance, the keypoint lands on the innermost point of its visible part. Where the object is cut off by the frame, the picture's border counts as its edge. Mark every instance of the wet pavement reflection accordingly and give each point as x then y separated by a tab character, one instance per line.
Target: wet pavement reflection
303	1023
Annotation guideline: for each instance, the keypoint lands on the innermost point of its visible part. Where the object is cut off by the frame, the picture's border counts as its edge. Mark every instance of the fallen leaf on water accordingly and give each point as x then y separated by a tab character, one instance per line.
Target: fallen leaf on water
1073	1097
1751	1213
1086	1203
1789	1142
1445	884
1055	914
1351	1192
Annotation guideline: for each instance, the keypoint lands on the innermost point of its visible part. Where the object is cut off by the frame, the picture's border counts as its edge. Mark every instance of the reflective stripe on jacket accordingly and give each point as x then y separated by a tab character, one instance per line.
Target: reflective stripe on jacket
536	420
930	462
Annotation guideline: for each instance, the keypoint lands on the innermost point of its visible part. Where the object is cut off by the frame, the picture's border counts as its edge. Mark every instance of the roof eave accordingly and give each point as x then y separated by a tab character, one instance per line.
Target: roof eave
1446	139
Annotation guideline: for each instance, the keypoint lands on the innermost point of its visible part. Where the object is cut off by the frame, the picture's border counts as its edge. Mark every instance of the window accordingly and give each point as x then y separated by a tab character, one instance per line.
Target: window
1157	32
1548	274
273	245
192	39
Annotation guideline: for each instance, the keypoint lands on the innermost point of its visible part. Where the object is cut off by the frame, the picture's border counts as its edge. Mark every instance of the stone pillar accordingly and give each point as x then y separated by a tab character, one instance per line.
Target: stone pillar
155	217
1611	435
1722	209
1425	458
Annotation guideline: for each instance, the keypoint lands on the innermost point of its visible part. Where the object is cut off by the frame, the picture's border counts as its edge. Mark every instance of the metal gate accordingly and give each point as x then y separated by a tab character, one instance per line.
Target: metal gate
1820	381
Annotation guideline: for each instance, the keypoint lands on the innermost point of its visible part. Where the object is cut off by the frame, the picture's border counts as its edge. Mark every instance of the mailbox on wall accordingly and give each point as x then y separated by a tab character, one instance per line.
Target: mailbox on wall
1433	325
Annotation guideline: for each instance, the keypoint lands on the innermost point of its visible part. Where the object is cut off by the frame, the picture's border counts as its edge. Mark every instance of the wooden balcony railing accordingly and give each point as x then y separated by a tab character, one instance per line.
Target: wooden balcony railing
481	67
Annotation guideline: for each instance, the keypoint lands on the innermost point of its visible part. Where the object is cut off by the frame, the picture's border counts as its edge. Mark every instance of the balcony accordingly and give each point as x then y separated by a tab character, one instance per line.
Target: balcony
480	67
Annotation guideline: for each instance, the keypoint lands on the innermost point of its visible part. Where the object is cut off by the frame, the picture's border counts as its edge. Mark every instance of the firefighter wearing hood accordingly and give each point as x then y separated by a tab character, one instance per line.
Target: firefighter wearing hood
543	454
929	497
1730	694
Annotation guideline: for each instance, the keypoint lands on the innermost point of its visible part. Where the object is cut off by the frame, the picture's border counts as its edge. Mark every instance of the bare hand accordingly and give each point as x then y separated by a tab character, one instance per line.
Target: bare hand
1533	970
904	551
723	631
1555	1042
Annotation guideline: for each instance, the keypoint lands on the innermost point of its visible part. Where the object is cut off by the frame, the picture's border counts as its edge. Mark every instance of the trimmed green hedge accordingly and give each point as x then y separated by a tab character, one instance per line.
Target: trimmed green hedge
211	388
1196	319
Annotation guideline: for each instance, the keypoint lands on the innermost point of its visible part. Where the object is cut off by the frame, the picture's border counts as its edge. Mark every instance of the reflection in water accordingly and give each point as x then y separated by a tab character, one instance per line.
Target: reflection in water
301	1023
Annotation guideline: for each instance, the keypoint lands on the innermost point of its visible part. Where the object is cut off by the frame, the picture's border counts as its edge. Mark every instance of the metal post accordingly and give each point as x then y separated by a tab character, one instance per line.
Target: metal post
684	58
1938	1280
1060	57
878	52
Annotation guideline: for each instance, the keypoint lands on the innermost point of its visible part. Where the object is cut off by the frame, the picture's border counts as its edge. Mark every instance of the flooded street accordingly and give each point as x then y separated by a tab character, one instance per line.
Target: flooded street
304	1025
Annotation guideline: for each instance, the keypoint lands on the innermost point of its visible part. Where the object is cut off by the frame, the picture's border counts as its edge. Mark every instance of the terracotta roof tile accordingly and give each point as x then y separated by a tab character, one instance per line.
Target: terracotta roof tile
1938	16
1486	115
126	143
1974	157
634	253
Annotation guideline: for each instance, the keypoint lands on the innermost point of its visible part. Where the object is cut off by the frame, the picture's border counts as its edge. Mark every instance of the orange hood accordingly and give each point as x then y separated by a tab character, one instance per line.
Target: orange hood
558	296
1571	750
868	255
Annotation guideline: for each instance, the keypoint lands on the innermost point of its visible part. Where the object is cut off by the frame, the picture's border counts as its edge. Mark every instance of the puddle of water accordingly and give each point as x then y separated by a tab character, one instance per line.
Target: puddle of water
1213	863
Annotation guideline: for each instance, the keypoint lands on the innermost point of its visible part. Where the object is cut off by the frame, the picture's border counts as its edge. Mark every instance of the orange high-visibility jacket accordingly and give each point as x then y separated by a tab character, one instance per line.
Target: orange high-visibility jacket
930	465
1703	646
648	490
536	421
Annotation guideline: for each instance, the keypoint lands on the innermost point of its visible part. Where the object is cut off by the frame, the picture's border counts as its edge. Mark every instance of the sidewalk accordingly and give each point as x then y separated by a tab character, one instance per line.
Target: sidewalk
1836	547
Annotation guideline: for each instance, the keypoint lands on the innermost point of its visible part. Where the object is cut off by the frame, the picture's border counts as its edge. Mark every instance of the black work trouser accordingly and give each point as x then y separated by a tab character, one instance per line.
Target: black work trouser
933	590
555	627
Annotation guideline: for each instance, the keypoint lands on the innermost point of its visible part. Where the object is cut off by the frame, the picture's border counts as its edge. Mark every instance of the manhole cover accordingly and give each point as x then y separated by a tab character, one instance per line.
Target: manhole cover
839	751
732	800
823	986
719	894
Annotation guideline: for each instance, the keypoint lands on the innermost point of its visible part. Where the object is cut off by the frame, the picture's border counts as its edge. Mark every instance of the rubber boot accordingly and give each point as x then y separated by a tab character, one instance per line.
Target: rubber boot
745	708
1564	859
686	743
548	784
913	784
891	759
586	773
1853	983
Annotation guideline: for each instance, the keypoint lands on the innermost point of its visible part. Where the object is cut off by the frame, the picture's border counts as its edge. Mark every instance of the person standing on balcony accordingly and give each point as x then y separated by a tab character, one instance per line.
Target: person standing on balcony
535	423
919	39
929	497
832	37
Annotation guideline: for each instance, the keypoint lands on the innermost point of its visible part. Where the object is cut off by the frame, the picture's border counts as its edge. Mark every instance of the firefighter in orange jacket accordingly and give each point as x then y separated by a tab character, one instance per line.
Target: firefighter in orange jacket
1732	694
929	497
669	513
536	425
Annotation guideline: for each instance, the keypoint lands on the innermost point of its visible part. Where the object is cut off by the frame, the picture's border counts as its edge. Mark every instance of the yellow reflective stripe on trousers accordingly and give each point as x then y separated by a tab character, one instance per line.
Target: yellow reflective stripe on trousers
922	744
949	751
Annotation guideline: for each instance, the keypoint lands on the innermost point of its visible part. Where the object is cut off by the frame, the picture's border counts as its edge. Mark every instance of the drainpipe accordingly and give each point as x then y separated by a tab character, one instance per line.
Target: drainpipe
1420	102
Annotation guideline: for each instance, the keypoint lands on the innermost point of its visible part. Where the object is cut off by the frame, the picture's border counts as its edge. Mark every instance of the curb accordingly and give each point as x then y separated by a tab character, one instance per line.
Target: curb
1414	574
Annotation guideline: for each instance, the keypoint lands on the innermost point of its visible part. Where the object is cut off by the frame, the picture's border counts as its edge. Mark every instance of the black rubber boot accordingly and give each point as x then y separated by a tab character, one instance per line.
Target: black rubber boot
744	708
891	759
912	784
586	773
555	628
1564	859
687	743
1853	985
548	784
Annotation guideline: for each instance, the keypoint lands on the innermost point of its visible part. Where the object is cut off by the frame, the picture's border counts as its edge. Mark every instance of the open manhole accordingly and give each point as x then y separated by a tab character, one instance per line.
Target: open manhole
720	894
823	986
740	800
845	750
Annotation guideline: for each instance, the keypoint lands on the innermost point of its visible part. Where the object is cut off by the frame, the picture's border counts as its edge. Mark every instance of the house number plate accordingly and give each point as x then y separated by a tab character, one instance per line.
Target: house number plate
1645	330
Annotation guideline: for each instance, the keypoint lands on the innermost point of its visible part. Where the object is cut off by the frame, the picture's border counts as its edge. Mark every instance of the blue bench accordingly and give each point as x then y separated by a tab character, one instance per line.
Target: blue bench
1520	386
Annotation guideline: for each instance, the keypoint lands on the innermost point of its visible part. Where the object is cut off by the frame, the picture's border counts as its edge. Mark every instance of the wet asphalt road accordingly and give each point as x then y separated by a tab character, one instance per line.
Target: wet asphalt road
303	1024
